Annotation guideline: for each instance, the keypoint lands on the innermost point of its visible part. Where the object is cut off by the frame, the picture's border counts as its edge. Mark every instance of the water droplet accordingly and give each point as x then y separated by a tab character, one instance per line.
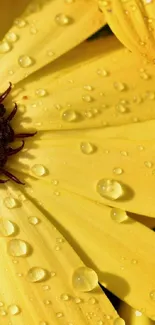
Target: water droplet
50	53
11	37
64	297
3	312
37	274
88	87
19	22
63	20
119	215
121	108
59	314
33	220
102	72
87	98
138	313
140	148
118	171
1	304
119	321
47	302
33	30
144	76
5	47
41	92
133	261
100	322
18	247
57	248
152	295
124	153
46	287
57	193
7	228
70	116
87	148
119	86
25	61
84	279
38	170
148	164
55	182
43	323
88	114
53	274
110	189
77	300
92	300
14	310
60	240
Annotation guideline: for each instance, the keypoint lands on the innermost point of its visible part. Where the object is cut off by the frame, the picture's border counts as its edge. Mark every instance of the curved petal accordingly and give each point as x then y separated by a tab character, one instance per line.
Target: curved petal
133	23
133	317
96	88
53	29
36	273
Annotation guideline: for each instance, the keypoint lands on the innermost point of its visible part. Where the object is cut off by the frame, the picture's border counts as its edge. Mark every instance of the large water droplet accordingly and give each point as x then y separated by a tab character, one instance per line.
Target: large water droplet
119	321
14	309
18	247
11	37
38	170
19	22
70	116
63	20
5	47
7	228
87	148
37	274
119	215
110	189
84	279
10	202
25	61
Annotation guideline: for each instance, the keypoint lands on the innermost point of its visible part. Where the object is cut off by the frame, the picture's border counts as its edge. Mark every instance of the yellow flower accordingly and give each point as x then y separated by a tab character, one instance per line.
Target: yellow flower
81	176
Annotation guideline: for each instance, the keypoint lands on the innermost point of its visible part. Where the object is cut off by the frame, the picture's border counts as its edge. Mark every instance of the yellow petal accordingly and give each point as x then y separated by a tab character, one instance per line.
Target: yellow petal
37	265
133	23
95	86
133	317
53	29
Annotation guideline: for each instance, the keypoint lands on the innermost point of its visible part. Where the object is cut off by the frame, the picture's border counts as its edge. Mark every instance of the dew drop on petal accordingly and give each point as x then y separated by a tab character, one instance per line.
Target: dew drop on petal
18	247
119	86
25	61
43	323
62	19
152	295
110	189
41	92
119	321
33	220
121	108
7	228
14	310
102	72
148	164
88	87
10	202
3	312
87	98
84	279
5	47
46	287
77	300
64	297
119	215
53	274
118	171
37	274
20	23
92	300
100	322
87	148
38	170
59	314
70	116
11	37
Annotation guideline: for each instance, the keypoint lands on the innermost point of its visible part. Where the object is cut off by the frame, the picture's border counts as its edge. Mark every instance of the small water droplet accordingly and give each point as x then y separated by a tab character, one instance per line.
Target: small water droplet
14	310
33	220
119	215
118	171
47	302
119	86
18	247
63	20
152	295
121	108
140	148
133	261
33	30
144	76
11	37
53	274
46	287
92	300
43	323
70	116
60	240
87	148
124	153
100	322
59	314
3	312
57	193
77	300
88	87
148	164
57	248
38	170
5	47
88	114
41	92
84	279
55	182
102	72
19	22
138	313
37	274
119	321
25	61
87	98
110	189
7	228
65	297
1	304
50	53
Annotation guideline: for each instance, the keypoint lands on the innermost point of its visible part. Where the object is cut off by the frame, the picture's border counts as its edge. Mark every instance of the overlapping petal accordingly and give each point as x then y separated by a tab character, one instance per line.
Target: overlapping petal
47	30
133	23
133	317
